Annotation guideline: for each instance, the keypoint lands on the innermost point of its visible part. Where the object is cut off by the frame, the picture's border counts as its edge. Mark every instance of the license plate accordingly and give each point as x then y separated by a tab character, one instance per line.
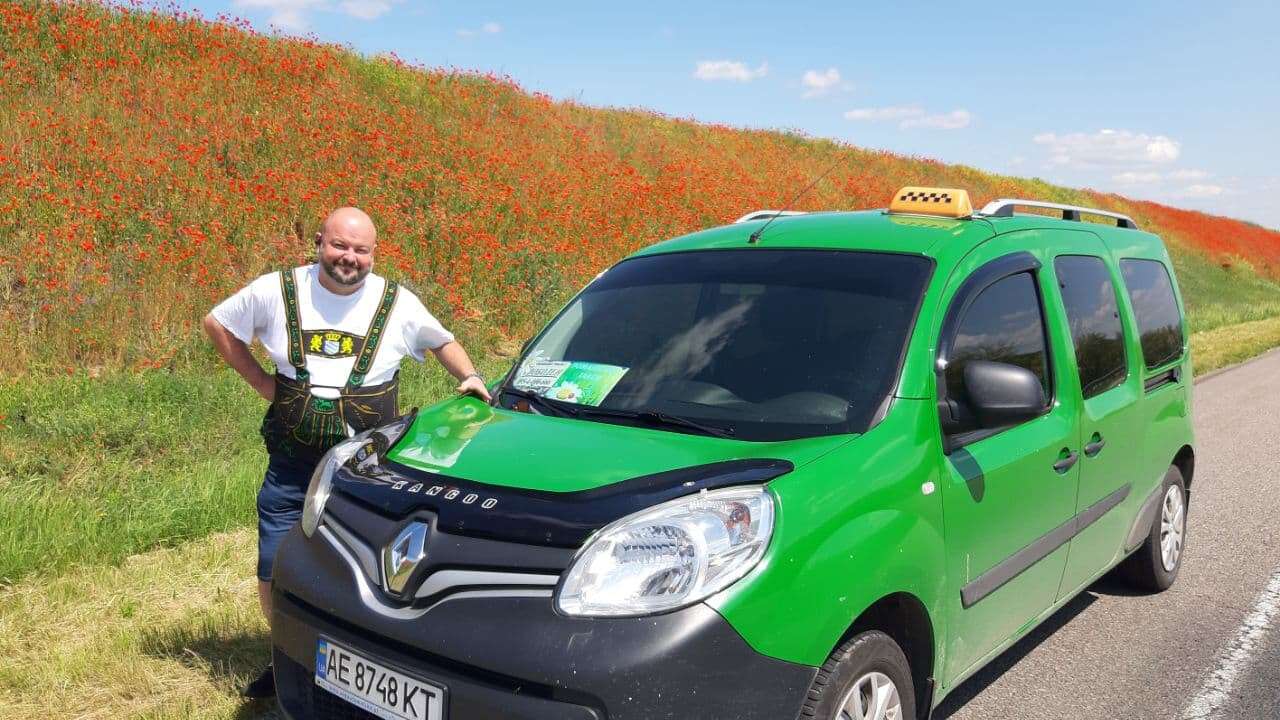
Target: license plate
374	687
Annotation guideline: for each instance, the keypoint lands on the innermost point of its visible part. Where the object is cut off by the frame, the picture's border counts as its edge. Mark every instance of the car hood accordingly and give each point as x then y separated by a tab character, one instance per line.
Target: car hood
468	439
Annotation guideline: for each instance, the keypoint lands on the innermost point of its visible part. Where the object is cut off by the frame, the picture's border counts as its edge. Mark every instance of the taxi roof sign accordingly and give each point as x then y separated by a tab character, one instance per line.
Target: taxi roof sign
942	202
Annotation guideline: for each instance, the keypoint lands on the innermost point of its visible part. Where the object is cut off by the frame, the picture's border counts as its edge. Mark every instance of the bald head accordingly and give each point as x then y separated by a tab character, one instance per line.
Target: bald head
350	222
345	247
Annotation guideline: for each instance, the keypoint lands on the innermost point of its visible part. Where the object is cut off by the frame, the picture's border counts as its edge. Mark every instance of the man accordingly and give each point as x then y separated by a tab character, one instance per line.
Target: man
336	333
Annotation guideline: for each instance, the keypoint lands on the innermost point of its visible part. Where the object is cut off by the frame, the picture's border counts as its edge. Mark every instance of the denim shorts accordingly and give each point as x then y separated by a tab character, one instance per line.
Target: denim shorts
284	487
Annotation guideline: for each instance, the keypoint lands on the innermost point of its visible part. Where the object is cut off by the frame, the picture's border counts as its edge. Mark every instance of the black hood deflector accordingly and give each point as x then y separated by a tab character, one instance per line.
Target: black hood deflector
556	519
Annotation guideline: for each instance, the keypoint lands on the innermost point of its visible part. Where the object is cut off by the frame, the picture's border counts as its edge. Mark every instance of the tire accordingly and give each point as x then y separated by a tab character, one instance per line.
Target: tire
1148	568
869	659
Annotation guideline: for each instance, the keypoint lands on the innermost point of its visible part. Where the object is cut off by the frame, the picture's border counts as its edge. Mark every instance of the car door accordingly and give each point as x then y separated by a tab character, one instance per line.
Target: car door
1109	388
1008	493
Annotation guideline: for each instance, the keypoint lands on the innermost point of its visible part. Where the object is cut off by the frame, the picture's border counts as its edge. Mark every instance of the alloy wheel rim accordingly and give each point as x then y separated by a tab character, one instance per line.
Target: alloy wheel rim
872	697
1173	523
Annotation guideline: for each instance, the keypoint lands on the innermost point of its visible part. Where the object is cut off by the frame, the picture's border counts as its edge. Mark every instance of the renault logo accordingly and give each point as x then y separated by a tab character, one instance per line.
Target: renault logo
403	555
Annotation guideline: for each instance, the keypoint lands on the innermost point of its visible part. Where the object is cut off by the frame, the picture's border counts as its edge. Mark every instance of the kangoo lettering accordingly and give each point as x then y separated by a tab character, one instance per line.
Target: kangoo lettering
446	492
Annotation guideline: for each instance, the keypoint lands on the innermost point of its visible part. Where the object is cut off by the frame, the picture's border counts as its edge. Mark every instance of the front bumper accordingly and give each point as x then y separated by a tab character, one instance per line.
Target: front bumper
508	654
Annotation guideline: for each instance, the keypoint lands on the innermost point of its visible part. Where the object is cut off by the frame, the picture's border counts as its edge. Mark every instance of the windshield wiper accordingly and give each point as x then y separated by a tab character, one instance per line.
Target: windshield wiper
655	417
554	406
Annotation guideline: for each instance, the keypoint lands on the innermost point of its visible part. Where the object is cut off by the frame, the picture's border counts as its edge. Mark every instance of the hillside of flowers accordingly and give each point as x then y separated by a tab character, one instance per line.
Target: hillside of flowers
153	162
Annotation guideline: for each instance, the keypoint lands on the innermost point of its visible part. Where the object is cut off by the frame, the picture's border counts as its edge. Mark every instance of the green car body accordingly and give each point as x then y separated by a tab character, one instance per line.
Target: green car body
953	544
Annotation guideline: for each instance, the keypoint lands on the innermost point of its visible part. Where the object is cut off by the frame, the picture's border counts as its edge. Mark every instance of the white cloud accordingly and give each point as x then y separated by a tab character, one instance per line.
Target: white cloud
821	82
913	116
953	120
489	28
893	112
1151	177
1200	191
1162	150
288	15
1137	178
728	70
1109	148
366	9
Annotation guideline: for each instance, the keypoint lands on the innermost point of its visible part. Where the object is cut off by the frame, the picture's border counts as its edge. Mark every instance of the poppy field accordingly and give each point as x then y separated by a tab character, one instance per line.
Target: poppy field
152	162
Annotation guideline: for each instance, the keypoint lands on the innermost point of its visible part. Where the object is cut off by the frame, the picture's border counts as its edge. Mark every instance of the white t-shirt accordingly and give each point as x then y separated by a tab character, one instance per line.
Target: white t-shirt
333	326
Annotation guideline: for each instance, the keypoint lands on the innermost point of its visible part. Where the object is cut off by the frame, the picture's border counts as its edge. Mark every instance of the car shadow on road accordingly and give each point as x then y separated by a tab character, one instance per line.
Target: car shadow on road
974	686
230	660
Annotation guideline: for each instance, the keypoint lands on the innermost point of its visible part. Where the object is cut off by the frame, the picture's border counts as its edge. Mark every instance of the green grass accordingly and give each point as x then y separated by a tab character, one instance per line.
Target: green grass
172	634
1232	344
1217	296
94	470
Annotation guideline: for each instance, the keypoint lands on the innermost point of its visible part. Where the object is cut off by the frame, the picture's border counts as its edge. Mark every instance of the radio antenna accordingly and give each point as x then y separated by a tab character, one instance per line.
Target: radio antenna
755	236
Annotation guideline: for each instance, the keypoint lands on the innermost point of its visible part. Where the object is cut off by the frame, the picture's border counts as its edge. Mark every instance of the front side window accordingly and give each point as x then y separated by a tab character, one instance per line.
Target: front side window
1090	300
1156	309
767	344
1004	324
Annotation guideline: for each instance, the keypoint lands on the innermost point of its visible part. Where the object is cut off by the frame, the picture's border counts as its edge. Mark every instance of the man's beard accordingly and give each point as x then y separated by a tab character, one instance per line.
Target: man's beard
344	275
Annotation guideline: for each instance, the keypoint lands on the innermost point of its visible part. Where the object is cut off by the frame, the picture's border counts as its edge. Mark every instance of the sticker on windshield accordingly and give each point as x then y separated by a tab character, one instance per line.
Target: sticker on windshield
537	375
583	383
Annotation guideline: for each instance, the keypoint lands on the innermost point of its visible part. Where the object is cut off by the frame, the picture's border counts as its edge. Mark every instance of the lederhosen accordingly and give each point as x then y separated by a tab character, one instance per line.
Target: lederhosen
301	422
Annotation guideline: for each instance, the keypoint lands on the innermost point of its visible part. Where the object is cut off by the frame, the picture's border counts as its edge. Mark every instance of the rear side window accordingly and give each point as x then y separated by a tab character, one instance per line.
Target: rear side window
1159	322
1090	299
1003	324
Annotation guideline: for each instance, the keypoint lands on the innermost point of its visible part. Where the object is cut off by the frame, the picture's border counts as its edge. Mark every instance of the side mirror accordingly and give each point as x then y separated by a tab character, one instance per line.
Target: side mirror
1001	394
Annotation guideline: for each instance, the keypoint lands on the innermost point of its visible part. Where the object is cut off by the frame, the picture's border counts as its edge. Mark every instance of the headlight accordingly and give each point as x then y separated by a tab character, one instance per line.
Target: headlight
322	480
671	555
383	437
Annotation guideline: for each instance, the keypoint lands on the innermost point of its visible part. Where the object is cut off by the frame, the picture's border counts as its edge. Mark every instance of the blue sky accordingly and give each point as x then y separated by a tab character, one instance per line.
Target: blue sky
1177	102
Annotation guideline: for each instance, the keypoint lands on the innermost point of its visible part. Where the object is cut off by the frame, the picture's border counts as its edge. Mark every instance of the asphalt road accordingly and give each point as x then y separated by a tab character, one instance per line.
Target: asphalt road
1206	649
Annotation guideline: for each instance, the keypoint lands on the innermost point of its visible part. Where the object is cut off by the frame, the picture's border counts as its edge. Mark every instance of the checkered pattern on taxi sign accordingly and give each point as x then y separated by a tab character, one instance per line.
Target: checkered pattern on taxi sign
926	197
936	201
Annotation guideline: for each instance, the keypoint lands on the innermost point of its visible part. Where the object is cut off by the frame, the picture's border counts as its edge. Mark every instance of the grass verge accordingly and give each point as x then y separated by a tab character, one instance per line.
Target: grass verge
95	470
167	635
1230	344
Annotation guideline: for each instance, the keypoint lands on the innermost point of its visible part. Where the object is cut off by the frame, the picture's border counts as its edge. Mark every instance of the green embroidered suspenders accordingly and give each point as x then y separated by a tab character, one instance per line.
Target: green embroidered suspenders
305	420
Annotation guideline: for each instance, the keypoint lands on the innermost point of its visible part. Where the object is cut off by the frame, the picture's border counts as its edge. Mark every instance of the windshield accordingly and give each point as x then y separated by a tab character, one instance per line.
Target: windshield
761	344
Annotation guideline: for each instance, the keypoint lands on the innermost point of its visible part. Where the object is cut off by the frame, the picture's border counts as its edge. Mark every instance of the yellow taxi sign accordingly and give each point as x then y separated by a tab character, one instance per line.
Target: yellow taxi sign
943	202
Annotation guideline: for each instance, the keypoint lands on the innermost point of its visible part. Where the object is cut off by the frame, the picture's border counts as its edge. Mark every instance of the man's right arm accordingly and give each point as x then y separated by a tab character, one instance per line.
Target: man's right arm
237	355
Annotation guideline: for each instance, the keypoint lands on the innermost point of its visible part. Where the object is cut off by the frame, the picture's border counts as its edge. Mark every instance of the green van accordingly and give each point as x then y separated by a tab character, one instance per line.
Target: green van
819	465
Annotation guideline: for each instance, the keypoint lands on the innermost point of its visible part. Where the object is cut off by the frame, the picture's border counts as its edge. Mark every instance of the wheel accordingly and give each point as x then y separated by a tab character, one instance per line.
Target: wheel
1154	566
866	678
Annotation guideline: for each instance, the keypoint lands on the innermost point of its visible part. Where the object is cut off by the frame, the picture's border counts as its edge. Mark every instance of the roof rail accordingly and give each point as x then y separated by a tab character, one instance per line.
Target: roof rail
766	214
1004	208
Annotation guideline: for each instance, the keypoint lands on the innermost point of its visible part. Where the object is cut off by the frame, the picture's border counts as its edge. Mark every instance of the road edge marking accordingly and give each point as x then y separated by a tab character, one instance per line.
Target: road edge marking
1235	657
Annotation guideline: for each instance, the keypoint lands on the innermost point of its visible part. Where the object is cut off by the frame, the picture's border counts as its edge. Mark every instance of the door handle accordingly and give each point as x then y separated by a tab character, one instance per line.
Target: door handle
1065	463
1095	445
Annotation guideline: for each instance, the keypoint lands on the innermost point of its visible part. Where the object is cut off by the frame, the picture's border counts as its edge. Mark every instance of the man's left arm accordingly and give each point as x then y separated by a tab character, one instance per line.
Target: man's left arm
455	359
